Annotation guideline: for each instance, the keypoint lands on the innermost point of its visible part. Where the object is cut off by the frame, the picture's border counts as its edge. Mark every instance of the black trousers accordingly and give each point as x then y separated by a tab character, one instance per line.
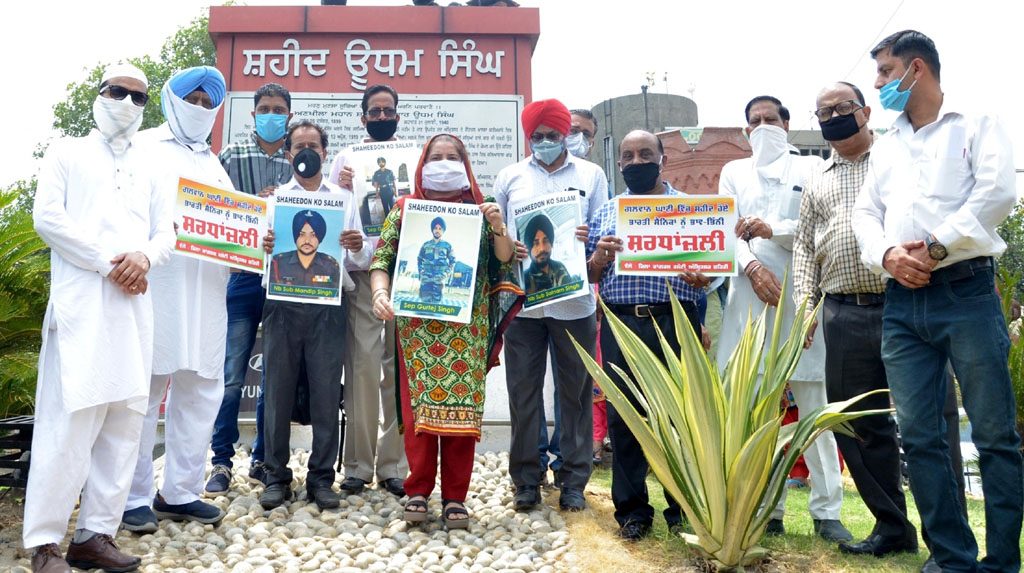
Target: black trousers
853	365
629	466
293	332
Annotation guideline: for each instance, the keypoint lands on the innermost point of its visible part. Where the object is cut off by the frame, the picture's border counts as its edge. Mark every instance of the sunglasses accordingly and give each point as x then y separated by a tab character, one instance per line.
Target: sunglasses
119	93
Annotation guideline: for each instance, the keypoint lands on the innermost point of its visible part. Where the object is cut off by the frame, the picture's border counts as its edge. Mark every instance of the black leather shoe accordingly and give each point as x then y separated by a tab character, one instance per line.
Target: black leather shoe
323	496
526	497
352	485
394	486
832	530
635	531
274	495
571	499
879	546
931	566
775	527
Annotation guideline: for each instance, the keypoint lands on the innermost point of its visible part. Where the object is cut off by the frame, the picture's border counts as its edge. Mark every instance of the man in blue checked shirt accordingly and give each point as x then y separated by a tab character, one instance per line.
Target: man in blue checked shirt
636	300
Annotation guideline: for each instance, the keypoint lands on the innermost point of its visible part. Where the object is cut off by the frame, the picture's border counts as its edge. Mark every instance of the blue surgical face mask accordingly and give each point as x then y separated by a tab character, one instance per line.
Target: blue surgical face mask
270	126
547	151
891	97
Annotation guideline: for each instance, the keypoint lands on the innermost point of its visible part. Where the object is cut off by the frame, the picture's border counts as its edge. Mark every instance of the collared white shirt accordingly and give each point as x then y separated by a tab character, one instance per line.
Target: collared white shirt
190	316
90	206
358	260
527	178
953	178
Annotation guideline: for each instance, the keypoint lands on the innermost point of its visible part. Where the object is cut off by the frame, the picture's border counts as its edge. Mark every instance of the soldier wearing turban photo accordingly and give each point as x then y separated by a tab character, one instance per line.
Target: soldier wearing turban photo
305	266
435	263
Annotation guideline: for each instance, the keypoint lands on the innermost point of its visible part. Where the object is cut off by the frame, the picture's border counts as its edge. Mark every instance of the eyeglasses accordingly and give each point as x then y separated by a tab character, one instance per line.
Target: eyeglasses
552	136
119	93
841	108
574	130
386	112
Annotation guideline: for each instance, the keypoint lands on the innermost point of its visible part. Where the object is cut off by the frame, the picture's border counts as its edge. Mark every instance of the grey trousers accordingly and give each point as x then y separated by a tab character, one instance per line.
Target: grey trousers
292	333
526	348
371	441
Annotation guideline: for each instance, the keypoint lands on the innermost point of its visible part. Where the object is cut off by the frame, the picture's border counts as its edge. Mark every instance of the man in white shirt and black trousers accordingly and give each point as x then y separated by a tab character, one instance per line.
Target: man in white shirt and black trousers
938	184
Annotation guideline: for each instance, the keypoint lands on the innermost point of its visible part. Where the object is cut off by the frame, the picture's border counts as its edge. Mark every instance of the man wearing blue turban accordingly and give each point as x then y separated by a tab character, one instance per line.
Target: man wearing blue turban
189	318
435	263
305	266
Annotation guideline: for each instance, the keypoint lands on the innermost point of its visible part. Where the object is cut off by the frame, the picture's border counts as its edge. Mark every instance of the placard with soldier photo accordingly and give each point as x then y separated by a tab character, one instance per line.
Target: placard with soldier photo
383	172
435	271
556	268
306	263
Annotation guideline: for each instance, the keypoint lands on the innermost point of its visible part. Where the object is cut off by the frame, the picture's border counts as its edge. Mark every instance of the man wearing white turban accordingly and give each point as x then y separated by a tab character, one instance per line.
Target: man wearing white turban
190	318
107	224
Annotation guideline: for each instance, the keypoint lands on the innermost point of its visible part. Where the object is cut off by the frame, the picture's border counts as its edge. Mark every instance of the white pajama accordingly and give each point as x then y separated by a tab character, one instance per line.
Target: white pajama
821	457
94	447
192	406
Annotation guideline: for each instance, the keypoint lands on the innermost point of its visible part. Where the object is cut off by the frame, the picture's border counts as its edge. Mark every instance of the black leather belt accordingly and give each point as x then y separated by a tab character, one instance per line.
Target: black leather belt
859	299
961	270
642	310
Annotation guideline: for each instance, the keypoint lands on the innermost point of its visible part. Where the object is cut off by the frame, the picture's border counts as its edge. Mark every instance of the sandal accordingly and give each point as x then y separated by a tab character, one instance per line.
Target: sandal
453	507
598	449
414	515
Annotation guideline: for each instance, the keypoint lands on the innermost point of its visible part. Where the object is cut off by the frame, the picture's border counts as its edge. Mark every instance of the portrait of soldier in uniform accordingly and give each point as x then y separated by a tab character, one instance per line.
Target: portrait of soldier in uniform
435	263
384	183
543	272
305	266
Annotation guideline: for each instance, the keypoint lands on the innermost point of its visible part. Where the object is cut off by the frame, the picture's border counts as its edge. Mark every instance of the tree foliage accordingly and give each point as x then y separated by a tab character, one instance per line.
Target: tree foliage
189	46
1012	231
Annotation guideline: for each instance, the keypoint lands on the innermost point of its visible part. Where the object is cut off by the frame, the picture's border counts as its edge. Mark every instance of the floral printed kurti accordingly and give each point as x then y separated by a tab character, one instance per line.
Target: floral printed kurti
445	363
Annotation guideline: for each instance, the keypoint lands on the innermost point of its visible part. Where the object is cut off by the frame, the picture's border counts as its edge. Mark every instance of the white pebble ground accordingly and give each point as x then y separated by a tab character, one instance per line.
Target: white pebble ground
367	533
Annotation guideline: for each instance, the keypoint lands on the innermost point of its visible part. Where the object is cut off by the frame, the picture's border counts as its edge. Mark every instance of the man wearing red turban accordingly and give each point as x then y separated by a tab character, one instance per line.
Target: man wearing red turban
551	169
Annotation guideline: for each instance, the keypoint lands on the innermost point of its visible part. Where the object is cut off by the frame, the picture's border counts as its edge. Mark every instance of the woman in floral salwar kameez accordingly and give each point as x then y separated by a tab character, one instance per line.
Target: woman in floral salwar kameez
443	366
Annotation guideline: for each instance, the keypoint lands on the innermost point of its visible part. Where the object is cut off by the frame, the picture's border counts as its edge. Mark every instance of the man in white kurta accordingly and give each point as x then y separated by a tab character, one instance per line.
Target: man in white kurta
106	224
190	318
768	187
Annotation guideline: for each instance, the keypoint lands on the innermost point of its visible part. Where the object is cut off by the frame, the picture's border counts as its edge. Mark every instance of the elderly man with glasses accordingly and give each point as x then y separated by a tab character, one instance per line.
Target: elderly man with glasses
369	356
551	169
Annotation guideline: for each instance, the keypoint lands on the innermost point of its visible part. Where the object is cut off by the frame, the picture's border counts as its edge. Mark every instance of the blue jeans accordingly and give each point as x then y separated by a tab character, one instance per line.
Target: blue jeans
245	297
551	447
921	328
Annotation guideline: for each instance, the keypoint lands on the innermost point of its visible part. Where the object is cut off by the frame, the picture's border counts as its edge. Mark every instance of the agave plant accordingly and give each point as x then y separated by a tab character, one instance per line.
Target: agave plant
716	441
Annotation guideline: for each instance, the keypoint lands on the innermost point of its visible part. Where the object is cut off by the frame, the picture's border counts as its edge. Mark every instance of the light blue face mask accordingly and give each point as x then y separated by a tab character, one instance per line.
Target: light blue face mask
547	151
891	97
577	145
270	126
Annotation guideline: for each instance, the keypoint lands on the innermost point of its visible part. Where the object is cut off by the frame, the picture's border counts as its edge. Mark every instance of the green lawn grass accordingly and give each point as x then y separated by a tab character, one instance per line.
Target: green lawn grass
799	550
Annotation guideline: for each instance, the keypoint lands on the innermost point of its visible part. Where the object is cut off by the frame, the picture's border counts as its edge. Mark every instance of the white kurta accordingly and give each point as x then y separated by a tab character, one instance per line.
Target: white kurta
189	295
91	206
777	202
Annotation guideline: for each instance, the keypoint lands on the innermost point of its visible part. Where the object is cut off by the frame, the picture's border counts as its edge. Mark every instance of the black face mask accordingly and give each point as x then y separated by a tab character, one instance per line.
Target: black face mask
382	130
306	163
641	177
840	127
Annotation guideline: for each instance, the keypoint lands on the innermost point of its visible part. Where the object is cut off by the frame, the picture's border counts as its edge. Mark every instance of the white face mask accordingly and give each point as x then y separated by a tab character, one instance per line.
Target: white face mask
445	175
768	143
577	145
117	120
190	124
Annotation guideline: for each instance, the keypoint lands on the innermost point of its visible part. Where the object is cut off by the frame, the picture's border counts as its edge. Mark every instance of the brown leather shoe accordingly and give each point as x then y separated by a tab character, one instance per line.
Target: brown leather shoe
47	559
99	552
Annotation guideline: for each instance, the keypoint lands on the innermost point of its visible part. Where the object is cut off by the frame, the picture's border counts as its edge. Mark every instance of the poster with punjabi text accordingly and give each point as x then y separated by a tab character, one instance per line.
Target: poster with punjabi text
670	234
220	226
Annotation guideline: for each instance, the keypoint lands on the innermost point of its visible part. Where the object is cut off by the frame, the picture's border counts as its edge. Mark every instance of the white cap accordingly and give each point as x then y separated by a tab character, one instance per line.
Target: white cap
124	71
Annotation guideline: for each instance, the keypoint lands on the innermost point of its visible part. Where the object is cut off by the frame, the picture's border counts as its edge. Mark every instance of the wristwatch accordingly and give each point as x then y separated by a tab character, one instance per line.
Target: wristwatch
936	250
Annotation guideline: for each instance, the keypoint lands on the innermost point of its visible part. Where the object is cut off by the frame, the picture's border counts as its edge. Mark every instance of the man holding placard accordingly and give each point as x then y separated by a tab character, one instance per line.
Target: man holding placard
190	318
373	446
551	169
306	323
256	166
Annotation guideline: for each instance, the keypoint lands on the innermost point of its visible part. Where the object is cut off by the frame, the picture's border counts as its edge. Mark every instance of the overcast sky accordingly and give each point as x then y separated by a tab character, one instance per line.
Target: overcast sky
589	51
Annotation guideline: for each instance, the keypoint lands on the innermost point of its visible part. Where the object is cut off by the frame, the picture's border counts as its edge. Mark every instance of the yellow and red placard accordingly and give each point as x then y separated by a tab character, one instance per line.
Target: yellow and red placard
670	234
220	226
